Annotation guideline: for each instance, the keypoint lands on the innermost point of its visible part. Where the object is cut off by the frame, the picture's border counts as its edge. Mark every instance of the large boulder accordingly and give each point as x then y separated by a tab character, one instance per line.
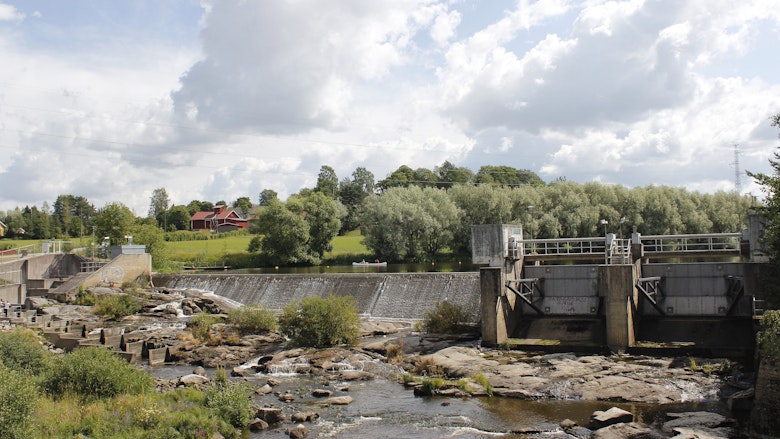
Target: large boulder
271	415
615	415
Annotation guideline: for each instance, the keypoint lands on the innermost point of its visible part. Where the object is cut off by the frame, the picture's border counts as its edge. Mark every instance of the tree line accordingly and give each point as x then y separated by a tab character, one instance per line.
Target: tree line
411	215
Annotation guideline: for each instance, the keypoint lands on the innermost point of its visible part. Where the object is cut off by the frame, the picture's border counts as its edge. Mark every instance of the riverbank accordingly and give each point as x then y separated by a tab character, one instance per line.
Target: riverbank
442	370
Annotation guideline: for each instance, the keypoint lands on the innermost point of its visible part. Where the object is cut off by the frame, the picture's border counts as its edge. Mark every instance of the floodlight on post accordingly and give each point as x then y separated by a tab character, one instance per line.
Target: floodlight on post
623	220
604	223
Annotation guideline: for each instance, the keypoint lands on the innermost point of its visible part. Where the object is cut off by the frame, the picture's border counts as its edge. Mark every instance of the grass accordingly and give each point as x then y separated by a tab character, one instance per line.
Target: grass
205	252
351	243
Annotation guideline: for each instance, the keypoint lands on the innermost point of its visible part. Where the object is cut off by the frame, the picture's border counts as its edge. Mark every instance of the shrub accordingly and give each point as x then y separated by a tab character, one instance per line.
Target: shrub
84	298
253	319
482	380
318	322
180	414
769	336
115	306
430	385
94	373
231	402
200	325
18	399
395	353
22	351
427	366
446	318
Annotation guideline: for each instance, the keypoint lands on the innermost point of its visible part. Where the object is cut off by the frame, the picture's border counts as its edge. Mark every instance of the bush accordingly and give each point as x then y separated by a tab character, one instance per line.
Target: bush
94	373
21	350
446	318
177	414
253	319
84	298
115	306
431	385
18	399
769	336
231	402
318	322
200	325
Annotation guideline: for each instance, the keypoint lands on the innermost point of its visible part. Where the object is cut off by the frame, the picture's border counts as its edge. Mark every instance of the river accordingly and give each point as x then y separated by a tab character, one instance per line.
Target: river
383	408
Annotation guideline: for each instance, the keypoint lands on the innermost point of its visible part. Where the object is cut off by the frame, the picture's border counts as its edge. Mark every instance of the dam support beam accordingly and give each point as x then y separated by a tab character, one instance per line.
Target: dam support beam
500	311
617	286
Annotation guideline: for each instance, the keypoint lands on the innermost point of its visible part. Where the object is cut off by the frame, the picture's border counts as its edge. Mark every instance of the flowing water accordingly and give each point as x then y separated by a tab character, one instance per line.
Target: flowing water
383	408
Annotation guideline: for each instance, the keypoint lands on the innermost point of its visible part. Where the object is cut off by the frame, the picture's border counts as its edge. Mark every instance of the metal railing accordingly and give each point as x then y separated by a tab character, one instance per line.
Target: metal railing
564	246
699	243
41	248
614	250
91	266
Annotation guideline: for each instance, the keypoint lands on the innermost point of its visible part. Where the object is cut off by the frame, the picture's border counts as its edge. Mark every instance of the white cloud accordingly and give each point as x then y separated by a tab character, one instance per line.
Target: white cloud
10	13
633	92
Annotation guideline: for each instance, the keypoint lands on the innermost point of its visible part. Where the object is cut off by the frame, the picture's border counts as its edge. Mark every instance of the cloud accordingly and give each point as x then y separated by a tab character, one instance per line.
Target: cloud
10	13
291	67
632	92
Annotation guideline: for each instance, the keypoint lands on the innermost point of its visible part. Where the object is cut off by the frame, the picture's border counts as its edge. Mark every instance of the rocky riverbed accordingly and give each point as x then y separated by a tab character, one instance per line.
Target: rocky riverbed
394	351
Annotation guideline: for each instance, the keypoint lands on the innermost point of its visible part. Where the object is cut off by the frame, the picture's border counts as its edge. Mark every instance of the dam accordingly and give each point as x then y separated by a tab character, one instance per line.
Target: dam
694	294
402	296
691	292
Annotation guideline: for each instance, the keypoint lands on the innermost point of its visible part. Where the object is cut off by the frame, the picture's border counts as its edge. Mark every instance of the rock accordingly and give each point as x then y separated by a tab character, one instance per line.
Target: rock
287	397
305	417
452	392
258	425
741	401
567	424
104	291
339	400
600	419
38	302
273	382
264	390
704	421
297	432
701	433
321	393
193	380
199	371
626	431
355	375
270	415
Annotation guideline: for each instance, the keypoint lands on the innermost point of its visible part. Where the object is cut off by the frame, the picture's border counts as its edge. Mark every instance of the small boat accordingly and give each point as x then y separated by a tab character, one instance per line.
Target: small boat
365	263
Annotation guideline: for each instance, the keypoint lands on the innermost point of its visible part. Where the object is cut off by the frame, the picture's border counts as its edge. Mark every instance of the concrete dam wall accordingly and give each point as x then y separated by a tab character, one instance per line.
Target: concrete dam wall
378	295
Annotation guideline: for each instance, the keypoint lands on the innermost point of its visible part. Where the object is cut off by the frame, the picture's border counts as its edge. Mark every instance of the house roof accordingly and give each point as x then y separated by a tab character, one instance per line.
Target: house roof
216	215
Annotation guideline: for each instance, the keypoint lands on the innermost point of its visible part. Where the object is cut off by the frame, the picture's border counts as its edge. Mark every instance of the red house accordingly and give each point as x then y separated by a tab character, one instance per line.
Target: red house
220	219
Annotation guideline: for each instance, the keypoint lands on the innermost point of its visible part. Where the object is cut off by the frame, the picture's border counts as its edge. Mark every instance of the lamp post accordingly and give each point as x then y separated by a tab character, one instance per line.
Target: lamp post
623	220
530	209
604	223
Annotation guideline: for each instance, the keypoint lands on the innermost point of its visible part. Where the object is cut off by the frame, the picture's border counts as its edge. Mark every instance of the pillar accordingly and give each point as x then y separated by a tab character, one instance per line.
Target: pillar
617	287
491	287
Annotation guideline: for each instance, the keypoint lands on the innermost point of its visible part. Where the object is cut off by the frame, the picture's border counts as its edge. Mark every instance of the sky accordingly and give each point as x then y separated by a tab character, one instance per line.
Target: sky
215	100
